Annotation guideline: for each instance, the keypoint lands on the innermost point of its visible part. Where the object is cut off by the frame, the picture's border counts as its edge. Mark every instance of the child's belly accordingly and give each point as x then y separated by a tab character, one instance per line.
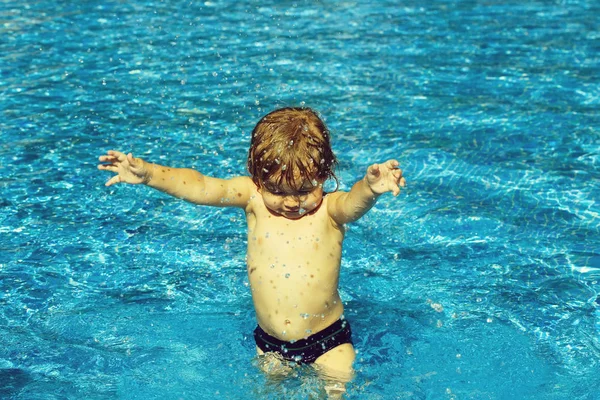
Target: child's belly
294	304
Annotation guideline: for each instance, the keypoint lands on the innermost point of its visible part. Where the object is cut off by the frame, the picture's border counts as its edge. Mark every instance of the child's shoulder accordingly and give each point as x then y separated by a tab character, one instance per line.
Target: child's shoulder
247	183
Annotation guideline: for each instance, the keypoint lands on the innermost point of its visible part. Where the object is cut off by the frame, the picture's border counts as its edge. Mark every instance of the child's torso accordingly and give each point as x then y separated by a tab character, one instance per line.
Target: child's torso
293	269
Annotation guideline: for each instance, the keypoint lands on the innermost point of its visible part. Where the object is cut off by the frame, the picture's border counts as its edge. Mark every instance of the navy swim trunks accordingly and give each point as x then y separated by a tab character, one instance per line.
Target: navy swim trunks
306	351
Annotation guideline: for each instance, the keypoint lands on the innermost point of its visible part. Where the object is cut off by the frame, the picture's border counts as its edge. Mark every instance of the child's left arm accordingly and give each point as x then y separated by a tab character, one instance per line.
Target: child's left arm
344	207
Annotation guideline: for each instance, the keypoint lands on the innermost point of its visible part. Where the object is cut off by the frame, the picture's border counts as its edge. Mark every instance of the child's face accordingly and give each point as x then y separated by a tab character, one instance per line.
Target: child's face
291	203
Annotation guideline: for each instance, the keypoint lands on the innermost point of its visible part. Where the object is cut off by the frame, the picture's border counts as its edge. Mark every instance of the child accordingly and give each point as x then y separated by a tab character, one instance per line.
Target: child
295	230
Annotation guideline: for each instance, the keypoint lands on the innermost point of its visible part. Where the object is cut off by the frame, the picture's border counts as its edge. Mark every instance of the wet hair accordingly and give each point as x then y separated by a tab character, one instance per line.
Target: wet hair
291	145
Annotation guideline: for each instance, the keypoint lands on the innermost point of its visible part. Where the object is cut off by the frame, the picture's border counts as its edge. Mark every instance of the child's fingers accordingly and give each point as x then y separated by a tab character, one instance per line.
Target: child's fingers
112	156
392	164
108	159
117	155
401	183
113	180
395	190
373	170
136	165
134	162
107	167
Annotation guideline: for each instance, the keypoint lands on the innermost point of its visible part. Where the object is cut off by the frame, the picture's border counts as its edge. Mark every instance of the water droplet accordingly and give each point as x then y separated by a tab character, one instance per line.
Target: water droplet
287	275
308	331
304	315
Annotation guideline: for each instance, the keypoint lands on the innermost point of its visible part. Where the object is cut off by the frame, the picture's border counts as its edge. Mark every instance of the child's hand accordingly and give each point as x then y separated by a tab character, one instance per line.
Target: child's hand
386	177
128	169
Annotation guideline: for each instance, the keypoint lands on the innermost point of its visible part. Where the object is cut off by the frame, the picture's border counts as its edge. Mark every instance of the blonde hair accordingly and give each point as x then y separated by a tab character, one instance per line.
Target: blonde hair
291	145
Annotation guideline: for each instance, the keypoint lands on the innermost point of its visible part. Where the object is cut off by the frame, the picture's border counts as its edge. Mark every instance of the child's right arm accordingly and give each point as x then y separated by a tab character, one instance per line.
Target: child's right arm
184	183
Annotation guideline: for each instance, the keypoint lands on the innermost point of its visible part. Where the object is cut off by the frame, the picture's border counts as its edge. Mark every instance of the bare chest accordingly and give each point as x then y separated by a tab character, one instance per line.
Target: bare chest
275	241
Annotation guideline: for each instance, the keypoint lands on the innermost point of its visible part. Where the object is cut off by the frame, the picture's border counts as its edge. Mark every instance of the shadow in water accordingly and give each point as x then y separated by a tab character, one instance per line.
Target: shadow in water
12	380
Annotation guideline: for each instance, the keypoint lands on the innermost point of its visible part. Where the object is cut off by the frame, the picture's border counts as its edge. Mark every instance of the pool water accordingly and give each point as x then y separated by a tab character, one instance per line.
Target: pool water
480	281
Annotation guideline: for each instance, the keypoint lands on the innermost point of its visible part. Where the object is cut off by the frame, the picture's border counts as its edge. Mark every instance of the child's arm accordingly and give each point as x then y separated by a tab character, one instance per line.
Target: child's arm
344	207
184	183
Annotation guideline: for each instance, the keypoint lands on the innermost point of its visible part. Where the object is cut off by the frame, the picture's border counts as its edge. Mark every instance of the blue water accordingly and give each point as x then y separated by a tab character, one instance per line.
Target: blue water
480	281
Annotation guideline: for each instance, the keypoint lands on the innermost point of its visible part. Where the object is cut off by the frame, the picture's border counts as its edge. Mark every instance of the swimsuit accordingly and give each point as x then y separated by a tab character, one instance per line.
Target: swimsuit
306	351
